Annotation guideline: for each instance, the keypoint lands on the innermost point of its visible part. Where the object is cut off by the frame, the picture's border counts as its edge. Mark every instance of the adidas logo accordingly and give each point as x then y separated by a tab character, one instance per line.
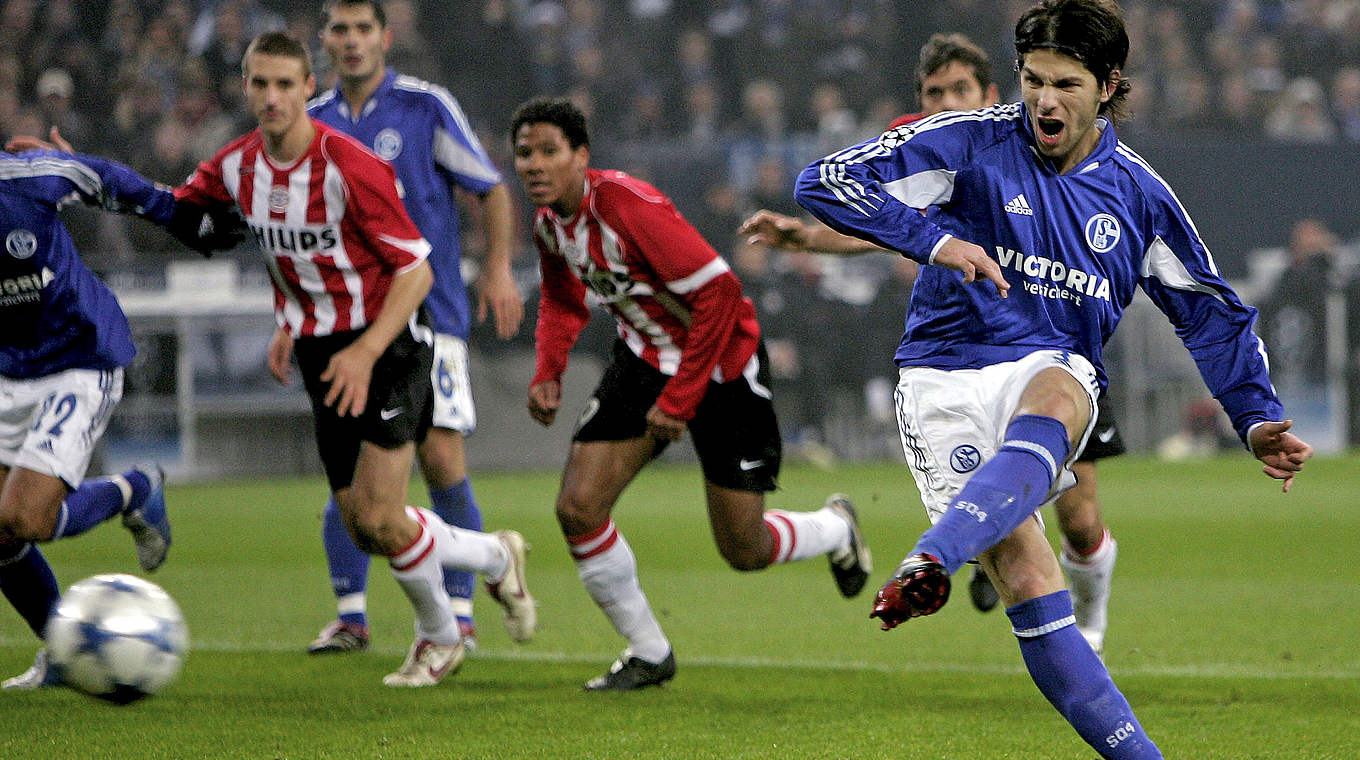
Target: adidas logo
1019	205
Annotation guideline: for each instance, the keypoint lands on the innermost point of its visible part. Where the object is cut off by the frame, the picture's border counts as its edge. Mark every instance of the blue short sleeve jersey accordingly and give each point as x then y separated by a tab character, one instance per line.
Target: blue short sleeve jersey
420	129
57	314
1073	246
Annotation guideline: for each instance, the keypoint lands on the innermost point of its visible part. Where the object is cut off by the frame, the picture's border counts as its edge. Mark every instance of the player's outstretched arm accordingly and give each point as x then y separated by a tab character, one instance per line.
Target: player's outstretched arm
1282	452
767	227
974	262
204	228
21	143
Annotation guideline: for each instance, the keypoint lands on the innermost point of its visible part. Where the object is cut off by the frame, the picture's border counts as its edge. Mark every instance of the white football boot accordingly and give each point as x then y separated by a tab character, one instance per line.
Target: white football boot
427	664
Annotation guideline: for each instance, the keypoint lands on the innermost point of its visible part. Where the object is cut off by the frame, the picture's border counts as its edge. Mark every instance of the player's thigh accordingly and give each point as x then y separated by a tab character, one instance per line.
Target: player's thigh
1055	392
30	503
51	424
381	474
594	476
443	461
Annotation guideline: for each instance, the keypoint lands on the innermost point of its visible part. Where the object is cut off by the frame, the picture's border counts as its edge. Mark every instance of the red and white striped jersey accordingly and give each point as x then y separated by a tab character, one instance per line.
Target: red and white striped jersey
331	225
678	305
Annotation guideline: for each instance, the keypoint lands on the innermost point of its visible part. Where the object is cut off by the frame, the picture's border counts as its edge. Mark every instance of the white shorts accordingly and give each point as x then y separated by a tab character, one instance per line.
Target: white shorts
453	407
951	421
51	424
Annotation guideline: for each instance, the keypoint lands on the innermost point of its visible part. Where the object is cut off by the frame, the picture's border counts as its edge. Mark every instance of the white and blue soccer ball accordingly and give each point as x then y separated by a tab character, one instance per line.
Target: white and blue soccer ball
117	636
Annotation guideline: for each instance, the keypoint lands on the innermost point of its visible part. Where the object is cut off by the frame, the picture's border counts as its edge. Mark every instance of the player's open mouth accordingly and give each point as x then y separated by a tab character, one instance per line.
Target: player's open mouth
1050	130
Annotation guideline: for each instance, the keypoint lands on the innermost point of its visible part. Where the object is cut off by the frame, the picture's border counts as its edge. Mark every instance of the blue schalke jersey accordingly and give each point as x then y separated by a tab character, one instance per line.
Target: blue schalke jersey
420	129
56	313
1073	247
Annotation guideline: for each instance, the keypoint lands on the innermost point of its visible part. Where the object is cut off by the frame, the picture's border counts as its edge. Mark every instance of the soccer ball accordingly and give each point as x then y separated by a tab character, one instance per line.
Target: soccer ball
117	636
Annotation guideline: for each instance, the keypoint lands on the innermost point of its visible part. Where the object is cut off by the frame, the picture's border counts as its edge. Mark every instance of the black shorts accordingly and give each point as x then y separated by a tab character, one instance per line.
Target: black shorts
735	432
400	400
1105	440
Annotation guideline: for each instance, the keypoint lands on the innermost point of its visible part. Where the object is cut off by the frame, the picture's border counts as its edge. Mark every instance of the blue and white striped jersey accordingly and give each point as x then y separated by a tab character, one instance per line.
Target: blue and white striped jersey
1073	247
420	129
56	313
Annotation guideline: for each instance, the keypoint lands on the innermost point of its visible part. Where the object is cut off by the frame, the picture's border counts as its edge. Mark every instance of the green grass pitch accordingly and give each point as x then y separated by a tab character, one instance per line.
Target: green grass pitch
1235	633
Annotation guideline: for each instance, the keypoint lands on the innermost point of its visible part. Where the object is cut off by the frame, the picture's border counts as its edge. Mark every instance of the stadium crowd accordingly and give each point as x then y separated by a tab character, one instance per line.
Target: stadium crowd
718	103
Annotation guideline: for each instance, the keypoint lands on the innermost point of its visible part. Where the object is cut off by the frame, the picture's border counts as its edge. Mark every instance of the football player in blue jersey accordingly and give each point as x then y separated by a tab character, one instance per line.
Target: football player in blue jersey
62	354
421	130
1040	225
954	74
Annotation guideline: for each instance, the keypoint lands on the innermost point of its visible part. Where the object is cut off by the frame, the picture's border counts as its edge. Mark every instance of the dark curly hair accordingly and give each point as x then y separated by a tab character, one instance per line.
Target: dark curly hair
559	112
1090	31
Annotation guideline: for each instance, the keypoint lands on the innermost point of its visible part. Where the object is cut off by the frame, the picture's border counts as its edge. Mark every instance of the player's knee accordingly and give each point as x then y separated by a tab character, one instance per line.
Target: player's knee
580	511
747	553
1082	528
745	559
21	525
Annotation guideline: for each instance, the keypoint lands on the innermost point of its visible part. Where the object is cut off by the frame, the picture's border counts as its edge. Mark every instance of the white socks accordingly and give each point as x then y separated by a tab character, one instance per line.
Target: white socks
800	535
1089	580
419	570
607	567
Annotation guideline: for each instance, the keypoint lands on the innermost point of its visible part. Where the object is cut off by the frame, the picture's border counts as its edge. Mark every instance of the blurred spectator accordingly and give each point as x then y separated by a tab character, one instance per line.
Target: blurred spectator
411	52
1345	101
55	90
1300	115
1294	312
836	125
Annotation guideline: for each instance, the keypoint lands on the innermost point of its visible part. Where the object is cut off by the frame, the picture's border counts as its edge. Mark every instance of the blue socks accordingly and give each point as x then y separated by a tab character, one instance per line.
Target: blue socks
96	501
457	506
1002	494
1075	681
28	583
348	564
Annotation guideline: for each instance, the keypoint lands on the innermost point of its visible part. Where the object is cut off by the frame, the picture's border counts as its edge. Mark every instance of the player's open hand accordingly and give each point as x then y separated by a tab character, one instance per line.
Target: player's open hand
768	228
281	356
349	373
497	291
1282	452
21	143
544	400
663	427
974	262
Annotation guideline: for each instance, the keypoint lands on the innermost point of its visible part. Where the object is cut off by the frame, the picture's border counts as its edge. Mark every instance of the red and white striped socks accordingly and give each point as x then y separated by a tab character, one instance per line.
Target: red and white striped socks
608	569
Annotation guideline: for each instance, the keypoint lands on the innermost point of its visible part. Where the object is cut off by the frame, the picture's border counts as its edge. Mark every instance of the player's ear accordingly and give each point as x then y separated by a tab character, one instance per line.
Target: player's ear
310	86
1110	86
993	95
387	39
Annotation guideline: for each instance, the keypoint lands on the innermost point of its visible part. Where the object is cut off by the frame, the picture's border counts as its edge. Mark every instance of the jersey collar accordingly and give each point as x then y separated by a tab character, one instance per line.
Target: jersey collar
383	88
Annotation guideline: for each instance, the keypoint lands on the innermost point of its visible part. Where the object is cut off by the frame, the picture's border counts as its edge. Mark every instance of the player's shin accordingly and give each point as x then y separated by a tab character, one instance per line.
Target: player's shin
97	500
348	567
1002	494
1075	681
608	569
457	506
28	583
420	575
